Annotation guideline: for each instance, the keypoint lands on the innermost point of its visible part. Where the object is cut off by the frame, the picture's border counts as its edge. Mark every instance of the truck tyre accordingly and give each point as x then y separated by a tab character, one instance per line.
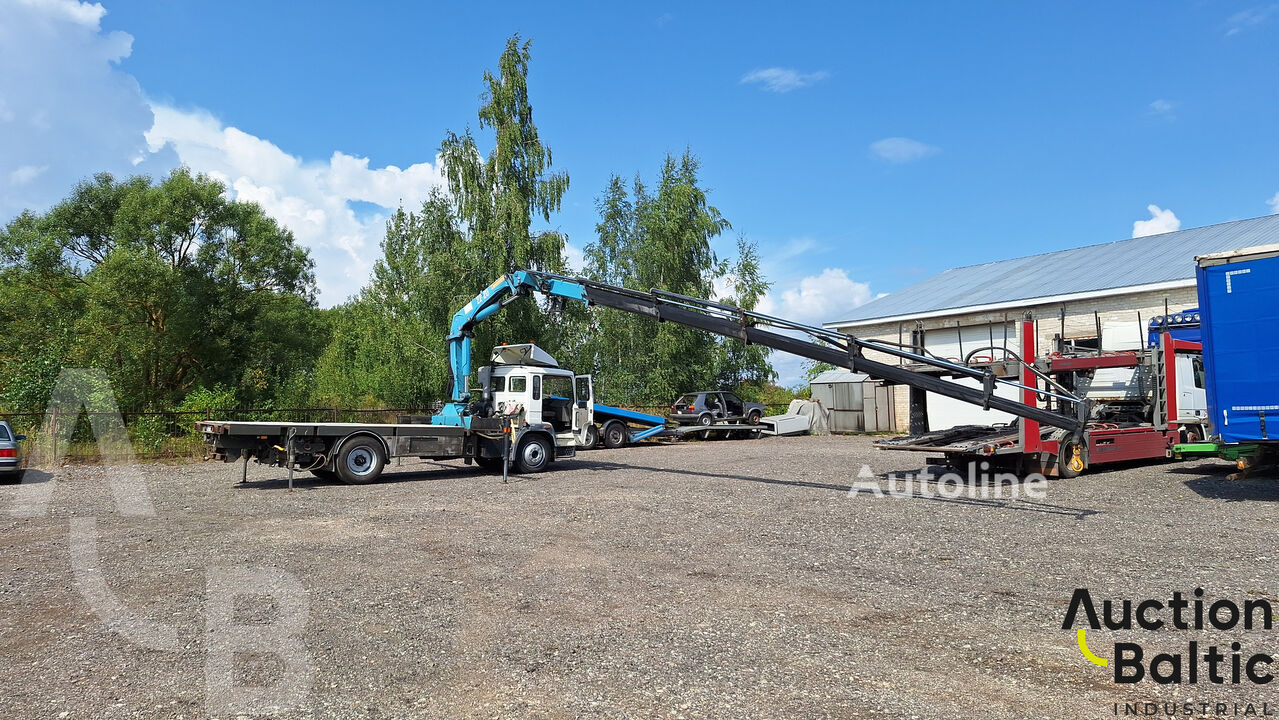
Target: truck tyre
592	437
615	435
533	455
360	461
1068	465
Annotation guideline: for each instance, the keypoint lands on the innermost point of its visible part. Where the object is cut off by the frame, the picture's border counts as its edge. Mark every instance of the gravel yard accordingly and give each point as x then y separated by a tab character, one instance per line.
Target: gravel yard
724	579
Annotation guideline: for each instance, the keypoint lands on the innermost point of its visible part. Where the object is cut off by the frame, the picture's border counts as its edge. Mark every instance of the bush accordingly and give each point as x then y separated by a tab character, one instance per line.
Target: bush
149	434
218	399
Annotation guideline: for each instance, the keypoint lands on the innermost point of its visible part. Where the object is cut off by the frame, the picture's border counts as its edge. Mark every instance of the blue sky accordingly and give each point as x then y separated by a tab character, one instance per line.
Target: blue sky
862	145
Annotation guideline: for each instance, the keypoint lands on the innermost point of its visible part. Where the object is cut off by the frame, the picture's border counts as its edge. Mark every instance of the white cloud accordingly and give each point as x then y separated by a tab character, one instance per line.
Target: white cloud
812	300
1162	108
574	258
1274	204
26	174
781	80
1161	221
816	299
1251	17
66	109
69	10
310	198
902	150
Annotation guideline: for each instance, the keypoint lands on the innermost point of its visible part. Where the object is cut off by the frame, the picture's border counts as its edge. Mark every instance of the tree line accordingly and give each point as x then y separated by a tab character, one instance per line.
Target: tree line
191	300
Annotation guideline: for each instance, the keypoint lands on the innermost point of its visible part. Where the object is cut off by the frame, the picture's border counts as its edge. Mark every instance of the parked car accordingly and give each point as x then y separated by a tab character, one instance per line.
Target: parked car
10	460
712	406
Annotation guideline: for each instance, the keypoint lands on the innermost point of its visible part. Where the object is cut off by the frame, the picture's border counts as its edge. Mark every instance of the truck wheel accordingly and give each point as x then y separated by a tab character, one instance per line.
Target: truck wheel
360	461
705	419
1069	465
614	435
534	455
592	437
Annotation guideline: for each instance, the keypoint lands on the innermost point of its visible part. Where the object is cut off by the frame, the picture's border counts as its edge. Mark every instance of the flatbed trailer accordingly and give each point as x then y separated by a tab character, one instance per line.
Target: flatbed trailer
726	428
615	427
1141	426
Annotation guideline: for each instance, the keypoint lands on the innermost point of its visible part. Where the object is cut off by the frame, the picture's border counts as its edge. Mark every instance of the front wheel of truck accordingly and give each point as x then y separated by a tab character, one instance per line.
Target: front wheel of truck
533	455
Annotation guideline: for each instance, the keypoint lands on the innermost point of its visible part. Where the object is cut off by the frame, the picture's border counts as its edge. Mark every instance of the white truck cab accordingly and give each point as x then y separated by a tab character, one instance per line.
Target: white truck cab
527	376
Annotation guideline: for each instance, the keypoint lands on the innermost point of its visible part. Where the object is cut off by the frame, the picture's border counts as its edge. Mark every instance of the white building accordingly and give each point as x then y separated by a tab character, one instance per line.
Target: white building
1093	296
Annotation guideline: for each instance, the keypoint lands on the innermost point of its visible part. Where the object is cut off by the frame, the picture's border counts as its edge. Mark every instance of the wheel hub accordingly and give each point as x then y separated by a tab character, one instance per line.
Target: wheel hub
360	461
534	454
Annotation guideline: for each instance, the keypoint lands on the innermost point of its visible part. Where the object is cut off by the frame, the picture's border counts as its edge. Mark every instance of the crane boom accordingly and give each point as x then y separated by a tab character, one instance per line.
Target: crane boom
828	346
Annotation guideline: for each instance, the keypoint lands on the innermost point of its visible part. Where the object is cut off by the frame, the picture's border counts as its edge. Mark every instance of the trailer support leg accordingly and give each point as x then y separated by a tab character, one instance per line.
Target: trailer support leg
244	475
289	456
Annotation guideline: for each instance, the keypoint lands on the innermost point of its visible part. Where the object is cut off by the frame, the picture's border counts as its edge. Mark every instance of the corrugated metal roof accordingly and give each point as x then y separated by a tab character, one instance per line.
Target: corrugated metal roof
838	376
1126	263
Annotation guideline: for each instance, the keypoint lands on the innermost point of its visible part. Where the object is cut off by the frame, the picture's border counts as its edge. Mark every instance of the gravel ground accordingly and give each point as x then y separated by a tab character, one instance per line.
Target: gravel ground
725	579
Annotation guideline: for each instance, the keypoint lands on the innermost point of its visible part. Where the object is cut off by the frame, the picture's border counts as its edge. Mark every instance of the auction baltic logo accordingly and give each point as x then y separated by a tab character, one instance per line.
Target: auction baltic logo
1230	662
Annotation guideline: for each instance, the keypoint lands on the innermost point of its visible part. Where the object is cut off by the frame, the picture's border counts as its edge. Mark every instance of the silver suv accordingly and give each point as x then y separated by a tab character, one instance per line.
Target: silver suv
10	460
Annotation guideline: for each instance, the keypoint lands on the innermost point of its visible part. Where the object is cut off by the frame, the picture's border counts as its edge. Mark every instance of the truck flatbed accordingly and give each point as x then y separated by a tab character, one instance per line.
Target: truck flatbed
251	428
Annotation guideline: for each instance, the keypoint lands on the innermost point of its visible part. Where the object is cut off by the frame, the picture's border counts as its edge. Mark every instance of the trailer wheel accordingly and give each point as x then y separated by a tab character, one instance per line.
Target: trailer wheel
614	435
360	461
1069	464
534	454
592	437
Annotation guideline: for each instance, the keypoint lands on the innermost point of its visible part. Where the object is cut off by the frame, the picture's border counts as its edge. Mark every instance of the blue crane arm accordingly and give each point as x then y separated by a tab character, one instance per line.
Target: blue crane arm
490	300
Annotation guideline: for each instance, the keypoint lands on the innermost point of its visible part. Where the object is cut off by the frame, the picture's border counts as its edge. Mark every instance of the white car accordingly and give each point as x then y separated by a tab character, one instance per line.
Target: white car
10	460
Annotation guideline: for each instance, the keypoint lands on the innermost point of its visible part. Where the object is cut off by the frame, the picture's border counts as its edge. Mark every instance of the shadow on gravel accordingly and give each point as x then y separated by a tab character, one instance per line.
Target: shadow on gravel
392	475
917	494
28	477
1254	489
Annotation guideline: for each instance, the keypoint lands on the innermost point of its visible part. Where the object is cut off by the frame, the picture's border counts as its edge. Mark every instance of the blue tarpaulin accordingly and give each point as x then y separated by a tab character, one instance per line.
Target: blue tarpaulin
1239	302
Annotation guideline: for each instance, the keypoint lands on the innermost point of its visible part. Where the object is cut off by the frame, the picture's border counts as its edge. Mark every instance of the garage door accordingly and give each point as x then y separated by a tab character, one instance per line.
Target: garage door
955	343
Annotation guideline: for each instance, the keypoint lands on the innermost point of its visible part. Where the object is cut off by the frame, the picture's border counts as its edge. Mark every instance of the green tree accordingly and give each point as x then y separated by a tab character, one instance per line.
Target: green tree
739	365
497	196
168	287
662	240
389	345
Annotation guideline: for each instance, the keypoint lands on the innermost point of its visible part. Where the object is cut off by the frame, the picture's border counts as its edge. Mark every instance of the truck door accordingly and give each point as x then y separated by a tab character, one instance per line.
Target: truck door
534	407
583	406
1192	399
